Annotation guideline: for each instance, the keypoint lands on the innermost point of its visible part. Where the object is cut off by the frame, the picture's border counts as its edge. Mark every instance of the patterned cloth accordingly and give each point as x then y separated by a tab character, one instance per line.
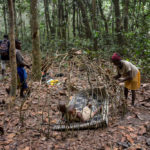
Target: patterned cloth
80	102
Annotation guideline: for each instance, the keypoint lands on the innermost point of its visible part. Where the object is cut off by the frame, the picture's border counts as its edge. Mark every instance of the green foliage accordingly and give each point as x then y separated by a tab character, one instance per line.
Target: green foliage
138	49
136	39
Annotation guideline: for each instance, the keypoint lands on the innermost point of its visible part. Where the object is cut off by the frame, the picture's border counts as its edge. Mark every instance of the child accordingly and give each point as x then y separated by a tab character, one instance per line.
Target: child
22	74
72	114
130	74
20	68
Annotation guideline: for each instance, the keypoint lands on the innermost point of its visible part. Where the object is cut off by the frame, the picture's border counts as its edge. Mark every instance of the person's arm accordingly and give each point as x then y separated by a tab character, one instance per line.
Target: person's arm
24	64
8	45
117	76
21	60
128	77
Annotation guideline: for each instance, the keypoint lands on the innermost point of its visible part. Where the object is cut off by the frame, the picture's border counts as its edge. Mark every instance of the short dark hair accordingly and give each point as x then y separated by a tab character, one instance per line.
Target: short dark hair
17	43
5	36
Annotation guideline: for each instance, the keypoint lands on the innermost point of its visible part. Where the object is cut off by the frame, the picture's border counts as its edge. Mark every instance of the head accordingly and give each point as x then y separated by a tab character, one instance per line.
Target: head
5	37
18	44
89	105
62	107
116	59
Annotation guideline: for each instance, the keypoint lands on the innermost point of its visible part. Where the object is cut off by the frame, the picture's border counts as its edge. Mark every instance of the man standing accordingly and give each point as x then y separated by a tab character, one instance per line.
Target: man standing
4	51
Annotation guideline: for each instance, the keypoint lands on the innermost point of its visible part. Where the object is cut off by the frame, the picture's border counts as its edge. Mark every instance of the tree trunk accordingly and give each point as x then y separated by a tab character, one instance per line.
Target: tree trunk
85	19
94	23
12	50
21	21
118	22
62	22
47	19
4	13
126	5
67	22
103	16
78	22
53	28
15	19
73	23
36	53
59	20
106	20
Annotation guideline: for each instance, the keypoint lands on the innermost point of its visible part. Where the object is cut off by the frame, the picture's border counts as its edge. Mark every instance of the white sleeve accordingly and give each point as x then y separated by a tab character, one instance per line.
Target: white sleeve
127	66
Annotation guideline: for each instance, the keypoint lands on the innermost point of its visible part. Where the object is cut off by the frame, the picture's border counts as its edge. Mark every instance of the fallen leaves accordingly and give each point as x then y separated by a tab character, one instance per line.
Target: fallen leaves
1	131
25	107
142	130
26	148
146	86
130	129
127	132
133	135
129	139
122	127
10	136
148	141
2	113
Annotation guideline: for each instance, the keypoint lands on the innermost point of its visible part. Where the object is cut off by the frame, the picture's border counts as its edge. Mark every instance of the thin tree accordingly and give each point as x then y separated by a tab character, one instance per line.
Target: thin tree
94	23
62	22
15	19
118	22
126	11
36	53
47	19
103	16
4	14
73	20
85	19
21	20
12	50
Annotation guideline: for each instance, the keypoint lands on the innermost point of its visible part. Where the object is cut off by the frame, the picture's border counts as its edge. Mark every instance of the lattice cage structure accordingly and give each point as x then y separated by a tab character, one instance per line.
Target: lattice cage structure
89	80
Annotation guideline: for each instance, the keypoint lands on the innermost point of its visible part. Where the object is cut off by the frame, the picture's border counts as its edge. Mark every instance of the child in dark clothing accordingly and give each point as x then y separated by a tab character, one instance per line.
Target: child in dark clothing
20	68
22	74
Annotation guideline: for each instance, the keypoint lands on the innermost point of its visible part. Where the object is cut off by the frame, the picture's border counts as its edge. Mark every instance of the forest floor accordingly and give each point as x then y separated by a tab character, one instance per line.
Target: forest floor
23	129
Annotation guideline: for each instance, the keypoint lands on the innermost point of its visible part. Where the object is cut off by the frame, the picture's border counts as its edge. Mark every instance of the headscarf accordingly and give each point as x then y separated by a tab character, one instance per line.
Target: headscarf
115	56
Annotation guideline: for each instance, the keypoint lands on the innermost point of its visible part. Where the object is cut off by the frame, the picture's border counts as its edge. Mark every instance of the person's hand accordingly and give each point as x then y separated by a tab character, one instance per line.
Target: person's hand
121	79
28	66
115	77
121	84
